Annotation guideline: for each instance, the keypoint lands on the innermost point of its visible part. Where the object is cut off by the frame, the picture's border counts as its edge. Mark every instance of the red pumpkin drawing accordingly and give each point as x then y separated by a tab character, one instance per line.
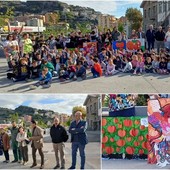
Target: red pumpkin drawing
141	151
134	132
121	133
104	122
130	150
111	139
111	129
115	120
109	150
104	139
120	142
128	123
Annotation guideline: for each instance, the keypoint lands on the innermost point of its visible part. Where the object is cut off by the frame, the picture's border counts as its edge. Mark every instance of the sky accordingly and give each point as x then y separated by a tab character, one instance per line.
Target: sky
62	103
112	7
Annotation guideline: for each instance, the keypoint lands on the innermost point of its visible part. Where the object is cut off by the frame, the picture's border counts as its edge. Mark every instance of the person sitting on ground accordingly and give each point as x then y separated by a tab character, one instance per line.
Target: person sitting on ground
81	71
128	65
63	74
139	66
148	65
163	66
15	71
48	65
111	68
96	69
35	70
155	64
71	69
57	66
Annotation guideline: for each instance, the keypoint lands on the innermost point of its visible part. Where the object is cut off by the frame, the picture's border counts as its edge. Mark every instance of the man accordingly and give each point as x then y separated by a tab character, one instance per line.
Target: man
160	37
78	139
5	144
37	143
15	148
140	33
58	135
150	36
115	34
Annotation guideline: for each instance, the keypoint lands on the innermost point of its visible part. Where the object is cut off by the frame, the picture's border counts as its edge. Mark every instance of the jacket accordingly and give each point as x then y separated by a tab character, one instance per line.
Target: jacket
150	35
37	138
98	68
160	36
14	132
5	141
57	133
80	131
47	78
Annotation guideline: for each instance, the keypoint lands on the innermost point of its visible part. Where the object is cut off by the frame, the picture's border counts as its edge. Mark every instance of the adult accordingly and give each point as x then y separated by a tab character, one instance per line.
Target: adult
78	138
167	38
140	33
6	145
133	35
160	37
15	148
115	34
22	138
150	37
59	136
37	143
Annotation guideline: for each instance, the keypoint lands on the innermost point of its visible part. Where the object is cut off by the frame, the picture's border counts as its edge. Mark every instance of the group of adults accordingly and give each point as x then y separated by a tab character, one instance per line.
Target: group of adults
20	140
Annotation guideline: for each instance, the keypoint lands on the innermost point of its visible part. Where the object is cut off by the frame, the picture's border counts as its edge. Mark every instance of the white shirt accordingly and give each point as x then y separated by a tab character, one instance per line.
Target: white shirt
167	36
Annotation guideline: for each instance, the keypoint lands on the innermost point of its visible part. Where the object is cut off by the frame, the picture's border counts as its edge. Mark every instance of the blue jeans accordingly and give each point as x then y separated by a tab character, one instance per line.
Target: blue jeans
95	73
75	146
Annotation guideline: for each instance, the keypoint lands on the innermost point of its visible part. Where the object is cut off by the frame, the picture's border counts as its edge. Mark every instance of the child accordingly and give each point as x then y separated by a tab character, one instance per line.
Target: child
15	71
81	71
57	66
96	69
118	63
163	66
128	67
134	61
105	63
110	68
63	74
14	53
148	65
35	70
71	69
168	65
47	64
155	64
45	79
139	66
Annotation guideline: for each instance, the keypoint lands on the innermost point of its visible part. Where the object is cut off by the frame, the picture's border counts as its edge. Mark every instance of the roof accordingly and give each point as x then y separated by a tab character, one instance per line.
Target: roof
90	96
143	3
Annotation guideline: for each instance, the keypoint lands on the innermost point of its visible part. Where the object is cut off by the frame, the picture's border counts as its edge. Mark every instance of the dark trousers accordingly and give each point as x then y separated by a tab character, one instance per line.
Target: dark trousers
34	155
24	153
6	154
94	72
75	147
17	154
150	45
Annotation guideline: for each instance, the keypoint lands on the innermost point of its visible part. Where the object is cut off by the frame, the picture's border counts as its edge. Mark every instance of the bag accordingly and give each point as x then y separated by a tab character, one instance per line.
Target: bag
27	141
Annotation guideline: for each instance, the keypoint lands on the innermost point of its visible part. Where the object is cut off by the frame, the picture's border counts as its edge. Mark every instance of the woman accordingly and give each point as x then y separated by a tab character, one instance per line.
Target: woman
6	145
167	38
22	140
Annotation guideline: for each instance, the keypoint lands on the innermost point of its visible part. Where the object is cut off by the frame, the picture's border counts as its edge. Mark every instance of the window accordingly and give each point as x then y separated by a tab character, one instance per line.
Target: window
160	7
168	5
149	12
145	13
90	108
87	110
154	10
164	6
94	106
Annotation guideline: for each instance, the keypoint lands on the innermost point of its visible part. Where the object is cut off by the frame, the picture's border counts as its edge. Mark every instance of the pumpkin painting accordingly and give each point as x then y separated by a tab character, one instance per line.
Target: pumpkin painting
104	139
128	123
104	122
133	45
130	150
121	133
134	132
120	142
109	150
115	120
120	45
111	129
111	139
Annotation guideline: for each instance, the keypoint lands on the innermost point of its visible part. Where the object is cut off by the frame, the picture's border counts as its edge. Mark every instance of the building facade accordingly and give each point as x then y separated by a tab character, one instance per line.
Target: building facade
156	13
35	22
93	112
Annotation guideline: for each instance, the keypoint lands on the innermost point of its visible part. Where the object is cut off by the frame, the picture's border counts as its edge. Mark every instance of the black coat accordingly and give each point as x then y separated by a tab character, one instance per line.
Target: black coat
57	134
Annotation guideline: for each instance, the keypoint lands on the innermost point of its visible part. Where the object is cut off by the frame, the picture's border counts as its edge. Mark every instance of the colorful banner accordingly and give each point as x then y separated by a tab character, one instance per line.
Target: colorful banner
90	47
135	44
159	131
119	45
124	135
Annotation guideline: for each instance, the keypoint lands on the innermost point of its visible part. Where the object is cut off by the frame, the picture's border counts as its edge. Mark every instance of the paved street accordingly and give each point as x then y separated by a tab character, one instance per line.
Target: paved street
128	164
92	157
120	83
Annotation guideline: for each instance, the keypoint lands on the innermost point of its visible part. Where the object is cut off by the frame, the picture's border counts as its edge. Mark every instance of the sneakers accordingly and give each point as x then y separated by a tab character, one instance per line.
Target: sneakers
6	161
19	161
71	167
14	80
56	167
42	167
33	165
14	161
62	167
25	163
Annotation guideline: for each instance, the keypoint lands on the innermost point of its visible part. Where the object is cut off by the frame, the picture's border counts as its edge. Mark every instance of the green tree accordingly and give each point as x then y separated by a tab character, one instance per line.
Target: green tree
120	27
14	117
106	99
135	17
79	108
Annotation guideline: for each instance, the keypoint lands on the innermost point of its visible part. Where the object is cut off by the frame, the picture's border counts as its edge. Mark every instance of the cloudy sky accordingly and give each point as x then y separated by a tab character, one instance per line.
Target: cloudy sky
62	103
113	7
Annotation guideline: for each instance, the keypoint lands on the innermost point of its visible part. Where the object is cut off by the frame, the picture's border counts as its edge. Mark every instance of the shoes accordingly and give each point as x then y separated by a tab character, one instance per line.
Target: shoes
25	163
46	85
33	165
19	161
6	161
14	80
14	161
32	87
42	167
56	167
71	167
62	167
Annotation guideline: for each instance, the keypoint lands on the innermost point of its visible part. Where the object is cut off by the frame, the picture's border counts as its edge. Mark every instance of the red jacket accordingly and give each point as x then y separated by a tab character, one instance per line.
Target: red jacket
98	68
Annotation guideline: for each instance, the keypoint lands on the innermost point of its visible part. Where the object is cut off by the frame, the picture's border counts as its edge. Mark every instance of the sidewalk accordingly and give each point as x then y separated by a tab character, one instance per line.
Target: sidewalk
92	157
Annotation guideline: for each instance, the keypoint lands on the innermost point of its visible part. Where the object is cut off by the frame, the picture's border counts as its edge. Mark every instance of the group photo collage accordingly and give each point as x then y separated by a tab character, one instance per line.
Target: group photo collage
85	84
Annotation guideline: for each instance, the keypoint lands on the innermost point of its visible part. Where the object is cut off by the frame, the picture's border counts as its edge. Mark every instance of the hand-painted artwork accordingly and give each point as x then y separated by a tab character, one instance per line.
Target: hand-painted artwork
121	101
124	135
119	45
135	44
90	47
159	131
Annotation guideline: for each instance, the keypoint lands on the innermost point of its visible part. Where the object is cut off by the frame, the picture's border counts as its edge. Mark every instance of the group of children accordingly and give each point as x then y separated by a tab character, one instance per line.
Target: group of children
45	63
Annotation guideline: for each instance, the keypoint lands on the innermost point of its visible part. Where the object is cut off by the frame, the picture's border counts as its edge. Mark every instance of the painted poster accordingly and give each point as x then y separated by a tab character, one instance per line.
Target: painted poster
135	44
90	47
159	131
124	135
119	45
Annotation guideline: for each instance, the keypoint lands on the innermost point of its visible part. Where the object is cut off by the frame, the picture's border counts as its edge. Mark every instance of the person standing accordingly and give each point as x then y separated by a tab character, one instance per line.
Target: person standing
16	151
115	34
22	138
160	37
140	33
37	143
167	37
5	145
78	138
150	37
59	136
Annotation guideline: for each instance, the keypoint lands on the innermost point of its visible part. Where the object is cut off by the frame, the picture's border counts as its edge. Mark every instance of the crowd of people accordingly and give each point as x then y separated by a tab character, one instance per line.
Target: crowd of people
32	58
20	139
